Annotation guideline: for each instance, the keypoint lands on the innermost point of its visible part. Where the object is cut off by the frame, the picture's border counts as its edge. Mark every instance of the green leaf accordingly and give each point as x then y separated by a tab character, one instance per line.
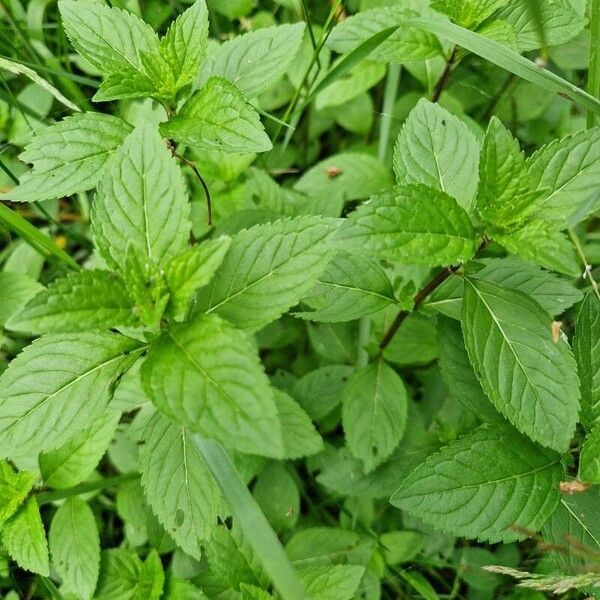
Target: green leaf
185	43
406	44
332	582
256	60
412	224
401	546
142	202
439	150
468	13
282	509
74	462
83	301
16	289
589	458
267	270
586	345
24	538
528	377
226	394
123	576
504	198
251	592
565	171
351	287
374	404
178	485
349	176
320	546
75	548
218	117
41	406
539	242
484	485
189	271
69	157
14	487
300	438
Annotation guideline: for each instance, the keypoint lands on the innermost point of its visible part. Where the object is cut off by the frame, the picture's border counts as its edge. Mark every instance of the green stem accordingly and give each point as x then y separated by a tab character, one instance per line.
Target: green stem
593	86
252	521
587	273
84	488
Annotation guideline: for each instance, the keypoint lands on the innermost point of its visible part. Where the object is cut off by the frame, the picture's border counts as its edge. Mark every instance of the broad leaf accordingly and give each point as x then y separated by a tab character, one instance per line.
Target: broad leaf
485	485
16	289
412	224
267	270
437	149
75	548
529	378
283	508
14	488
374	405
300	438
468	13
57	386
226	395
141	203
335	582
177	484
69	157
84	301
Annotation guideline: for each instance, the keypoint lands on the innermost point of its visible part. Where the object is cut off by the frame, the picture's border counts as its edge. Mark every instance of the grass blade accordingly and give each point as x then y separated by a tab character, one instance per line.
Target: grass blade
593	86
252	521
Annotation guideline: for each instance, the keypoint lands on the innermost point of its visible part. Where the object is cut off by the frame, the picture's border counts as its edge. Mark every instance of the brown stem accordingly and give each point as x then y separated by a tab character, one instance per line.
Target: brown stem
443	81
194	168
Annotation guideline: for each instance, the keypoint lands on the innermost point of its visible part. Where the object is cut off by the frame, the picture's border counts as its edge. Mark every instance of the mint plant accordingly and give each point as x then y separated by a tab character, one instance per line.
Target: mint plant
257	345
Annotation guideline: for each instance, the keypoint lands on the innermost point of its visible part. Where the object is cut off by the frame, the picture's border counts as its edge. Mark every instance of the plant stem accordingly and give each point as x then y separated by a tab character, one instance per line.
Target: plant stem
84	488
194	168
587	272
443	80
593	86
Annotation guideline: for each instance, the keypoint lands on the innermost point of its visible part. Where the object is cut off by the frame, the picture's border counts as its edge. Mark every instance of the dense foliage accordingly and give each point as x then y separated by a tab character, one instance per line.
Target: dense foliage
297	299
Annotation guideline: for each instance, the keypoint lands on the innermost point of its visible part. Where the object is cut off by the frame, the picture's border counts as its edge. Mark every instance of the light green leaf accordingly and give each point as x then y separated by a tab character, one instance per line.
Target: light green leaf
69	157
251	592
566	169
141	203
218	117
349	176
589	458
226	395
178	485
412	224
16	289
586	345
267	270
41	402
439	150
374	404
128	83
351	287
189	271
538	242
468	13
256	60
14	487
400	546
24	538
332	582
180	589
185	42
83	301
282	509
528	377
75	548
406	44
74	462
300	438
484	485
320	546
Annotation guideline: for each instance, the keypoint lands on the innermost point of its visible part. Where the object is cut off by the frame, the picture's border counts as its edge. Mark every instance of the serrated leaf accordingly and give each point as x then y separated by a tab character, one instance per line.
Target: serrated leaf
185	42
529	378
226	394
586	345
406	44
539	242
75	548
566	170
374	405
351	287
83	301
16	289
178	485
69	157
300	438
267	271
468	13
437	149
142	202
412	224
256	60
74	462
14	487
485	485
24	538
332	582
191	270
41	402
